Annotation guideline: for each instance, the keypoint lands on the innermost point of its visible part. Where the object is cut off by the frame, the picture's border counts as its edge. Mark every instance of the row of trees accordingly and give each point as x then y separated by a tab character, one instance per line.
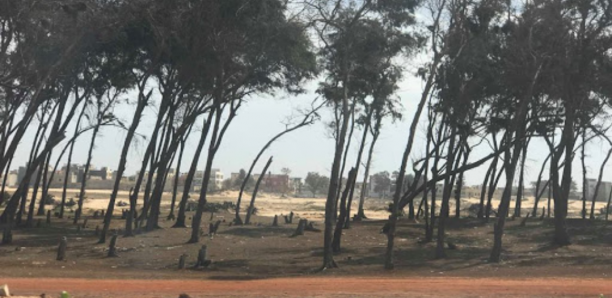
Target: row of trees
499	75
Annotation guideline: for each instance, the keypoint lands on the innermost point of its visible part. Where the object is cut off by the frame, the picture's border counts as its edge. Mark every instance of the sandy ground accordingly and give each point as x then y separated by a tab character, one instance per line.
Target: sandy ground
318	287
310	208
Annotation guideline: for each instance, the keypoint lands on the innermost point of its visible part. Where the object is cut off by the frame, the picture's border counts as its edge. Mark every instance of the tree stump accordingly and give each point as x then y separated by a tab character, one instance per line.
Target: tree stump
275	221
212	215
182	260
112	249
300	228
7	235
211	230
48	217
96	214
291	217
286	219
85	224
311	228
202	261
543	213
524	220
102	213
39	223
61	249
97	231
217	224
78	229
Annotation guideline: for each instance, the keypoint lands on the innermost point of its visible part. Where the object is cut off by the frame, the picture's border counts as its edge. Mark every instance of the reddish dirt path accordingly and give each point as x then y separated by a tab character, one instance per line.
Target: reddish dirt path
317	287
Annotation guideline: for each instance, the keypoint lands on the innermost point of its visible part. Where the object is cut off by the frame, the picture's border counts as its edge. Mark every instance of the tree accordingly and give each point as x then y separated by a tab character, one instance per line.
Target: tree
316	182
382	183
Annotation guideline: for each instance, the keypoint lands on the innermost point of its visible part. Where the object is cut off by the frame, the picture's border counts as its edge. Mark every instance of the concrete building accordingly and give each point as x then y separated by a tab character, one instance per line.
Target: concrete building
603	193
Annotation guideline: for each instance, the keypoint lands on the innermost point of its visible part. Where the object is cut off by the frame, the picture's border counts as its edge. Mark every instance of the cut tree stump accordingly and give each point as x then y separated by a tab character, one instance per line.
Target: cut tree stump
61	249
112	249
275	221
48	217
311	228
202	261
543	213
300	228
524	220
286	219
7	235
291	217
212	215
85	224
182	260
97	231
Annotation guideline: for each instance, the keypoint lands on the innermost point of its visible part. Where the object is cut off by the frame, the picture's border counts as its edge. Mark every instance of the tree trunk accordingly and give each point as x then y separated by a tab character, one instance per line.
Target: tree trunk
180	219
41	171
347	222
440	252
539	194
45	186
77	214
247	219
601	170
521	184
61	249
108	216
366	177
176	180
343	211
584	176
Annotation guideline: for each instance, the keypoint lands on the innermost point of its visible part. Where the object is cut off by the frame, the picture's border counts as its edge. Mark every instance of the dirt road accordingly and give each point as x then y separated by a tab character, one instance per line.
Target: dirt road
316	287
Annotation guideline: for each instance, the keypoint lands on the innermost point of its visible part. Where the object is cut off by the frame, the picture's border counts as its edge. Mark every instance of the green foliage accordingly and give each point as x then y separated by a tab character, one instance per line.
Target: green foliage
316	182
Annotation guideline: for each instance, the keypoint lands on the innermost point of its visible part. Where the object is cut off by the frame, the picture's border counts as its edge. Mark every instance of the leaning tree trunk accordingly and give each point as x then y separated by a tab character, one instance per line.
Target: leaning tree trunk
108	216
30	219
307	120
601	169
539	194
77	214
69	162
176	180
247	219
364	186
180	219
45	187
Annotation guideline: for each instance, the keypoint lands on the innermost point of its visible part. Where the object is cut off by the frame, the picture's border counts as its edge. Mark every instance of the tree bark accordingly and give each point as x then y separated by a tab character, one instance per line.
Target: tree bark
247	219
77	214
343	211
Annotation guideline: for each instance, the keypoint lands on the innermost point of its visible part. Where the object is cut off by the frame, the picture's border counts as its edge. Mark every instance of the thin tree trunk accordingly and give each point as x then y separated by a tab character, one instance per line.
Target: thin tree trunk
440	252
77	215
108	216
45	187
176	181
521	185
599	178
247	219
539	194
343	211
180	219
347	221
375	133
69	162
584	176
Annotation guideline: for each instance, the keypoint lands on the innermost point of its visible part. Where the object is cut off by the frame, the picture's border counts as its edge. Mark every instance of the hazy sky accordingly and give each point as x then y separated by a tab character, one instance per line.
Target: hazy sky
305	150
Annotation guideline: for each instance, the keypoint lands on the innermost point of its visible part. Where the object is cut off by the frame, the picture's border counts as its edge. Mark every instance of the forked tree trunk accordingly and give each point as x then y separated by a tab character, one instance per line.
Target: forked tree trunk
343	211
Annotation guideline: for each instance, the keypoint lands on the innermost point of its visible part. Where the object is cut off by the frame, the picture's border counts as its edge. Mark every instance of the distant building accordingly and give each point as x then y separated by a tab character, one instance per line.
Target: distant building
296	185
277	183
603	193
